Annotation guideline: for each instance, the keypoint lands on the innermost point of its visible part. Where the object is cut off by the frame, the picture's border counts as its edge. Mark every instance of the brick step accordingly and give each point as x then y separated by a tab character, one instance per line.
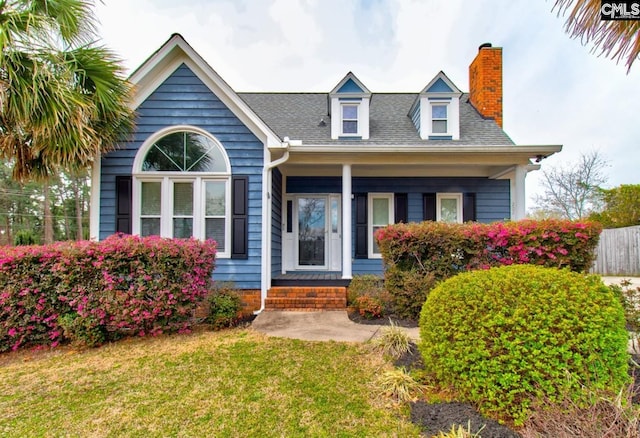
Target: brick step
307	292
306	298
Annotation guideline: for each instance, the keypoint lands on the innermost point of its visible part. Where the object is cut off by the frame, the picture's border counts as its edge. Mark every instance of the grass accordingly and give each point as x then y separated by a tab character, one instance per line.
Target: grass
224	384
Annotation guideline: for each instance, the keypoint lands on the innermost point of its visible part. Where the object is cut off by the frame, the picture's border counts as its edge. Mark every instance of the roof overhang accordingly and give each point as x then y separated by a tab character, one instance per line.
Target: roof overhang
176	51
373	160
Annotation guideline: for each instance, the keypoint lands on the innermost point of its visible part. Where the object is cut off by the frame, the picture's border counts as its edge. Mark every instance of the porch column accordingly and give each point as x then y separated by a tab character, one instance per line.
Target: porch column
346	221
518	193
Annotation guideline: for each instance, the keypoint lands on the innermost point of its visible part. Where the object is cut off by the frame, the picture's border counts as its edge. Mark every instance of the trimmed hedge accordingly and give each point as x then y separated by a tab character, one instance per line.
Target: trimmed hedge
508	336
417	256
100	291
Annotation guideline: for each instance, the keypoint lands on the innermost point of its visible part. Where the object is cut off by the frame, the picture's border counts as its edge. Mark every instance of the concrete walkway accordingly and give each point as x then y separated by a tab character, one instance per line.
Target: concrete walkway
336	325
318	326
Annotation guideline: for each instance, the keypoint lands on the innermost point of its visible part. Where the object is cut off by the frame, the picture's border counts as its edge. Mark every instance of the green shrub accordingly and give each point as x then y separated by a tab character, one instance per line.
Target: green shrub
368	307
367	284
511	335
25	237
82	331
368	295
223	307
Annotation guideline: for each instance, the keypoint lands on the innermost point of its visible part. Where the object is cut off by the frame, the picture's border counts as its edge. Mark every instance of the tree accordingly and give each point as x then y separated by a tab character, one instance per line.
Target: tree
572	192
616	38
62	98
621	206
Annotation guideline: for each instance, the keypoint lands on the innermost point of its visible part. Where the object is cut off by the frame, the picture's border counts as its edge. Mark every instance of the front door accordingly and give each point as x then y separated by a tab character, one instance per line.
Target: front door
312	233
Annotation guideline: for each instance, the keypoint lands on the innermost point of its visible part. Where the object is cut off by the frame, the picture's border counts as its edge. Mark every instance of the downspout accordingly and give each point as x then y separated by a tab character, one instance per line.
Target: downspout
265	275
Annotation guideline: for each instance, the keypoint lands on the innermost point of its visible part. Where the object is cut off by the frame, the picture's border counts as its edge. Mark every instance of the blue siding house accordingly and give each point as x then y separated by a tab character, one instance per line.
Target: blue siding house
294	185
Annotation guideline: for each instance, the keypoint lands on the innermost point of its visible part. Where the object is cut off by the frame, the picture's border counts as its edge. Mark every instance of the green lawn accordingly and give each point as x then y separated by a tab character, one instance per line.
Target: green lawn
231	383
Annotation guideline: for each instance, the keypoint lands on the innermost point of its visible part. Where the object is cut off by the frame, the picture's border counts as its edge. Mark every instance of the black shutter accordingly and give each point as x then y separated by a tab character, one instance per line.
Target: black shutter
469	207
401	207
361	226
429	206
239	217
123	204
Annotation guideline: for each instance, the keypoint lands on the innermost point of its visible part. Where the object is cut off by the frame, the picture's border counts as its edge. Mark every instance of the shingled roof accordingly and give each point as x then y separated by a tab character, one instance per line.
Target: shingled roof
298	116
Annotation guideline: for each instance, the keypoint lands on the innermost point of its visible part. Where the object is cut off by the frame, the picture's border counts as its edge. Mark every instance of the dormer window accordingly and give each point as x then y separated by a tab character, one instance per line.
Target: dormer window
349	119
349	109
436	111
439	119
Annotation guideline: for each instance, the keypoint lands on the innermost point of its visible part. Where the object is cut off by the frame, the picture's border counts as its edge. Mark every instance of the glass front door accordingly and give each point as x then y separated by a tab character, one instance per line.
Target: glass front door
312	231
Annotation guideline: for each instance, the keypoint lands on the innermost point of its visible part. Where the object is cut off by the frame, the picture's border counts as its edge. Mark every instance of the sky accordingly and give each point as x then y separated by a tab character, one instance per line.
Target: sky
555	89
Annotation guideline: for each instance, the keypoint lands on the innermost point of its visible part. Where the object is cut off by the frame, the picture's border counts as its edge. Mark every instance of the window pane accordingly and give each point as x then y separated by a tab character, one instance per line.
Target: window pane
439	112
183	199
214	229
215	198
380	211
151	193
439	127
182	227
185	152
349	127
150	226
449	210
349	112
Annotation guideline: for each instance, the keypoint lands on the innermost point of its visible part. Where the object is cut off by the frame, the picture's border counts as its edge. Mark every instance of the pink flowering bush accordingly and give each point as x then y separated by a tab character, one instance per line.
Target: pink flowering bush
96	291
418	256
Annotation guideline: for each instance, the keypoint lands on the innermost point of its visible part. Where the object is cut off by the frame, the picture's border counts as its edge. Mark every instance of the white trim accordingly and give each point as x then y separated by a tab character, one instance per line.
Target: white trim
153	138
177	51
453	118
370	197
518	194
265	235
457	197
346	222
94	204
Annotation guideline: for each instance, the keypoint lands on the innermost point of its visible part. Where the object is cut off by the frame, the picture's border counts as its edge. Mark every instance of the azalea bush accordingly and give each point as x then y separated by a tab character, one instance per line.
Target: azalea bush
418	256
100	291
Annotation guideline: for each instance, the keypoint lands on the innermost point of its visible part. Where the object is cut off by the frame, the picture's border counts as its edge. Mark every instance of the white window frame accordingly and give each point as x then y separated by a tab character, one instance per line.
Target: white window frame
371	225
358	108
167	180
440	119
458	199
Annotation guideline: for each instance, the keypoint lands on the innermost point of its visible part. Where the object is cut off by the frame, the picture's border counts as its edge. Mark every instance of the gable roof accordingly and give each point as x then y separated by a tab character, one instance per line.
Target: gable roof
298	116
350	85
171	55
441	84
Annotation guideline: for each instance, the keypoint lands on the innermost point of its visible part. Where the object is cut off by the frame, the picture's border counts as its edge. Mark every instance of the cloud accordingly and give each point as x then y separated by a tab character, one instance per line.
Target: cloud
555	90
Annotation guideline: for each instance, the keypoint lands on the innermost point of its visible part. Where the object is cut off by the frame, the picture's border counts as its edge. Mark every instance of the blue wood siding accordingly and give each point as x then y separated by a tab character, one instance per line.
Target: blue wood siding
183	99
276	223
492	198
415	117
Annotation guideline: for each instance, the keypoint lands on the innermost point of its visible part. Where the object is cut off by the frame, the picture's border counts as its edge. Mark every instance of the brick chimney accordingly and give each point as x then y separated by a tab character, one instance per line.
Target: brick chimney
485	82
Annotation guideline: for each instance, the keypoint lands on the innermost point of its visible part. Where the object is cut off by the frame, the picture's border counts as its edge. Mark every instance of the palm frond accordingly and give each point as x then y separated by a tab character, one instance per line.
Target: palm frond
617	39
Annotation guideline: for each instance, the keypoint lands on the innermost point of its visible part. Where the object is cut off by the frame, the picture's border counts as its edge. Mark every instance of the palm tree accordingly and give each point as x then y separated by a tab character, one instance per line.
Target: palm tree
63	99
615	38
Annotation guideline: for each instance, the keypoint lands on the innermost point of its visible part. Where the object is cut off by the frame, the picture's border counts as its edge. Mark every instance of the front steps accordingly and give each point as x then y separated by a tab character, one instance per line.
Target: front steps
306	298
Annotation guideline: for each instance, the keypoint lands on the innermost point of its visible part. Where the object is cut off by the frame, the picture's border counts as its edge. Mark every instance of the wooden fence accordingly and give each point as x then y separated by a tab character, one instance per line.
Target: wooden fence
618	252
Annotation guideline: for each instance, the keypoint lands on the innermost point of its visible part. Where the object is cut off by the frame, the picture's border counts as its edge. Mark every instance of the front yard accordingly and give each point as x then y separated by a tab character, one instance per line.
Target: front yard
230	383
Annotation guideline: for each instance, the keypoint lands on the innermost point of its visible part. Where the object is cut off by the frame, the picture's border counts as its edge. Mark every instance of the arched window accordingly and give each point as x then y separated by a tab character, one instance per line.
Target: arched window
181	187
